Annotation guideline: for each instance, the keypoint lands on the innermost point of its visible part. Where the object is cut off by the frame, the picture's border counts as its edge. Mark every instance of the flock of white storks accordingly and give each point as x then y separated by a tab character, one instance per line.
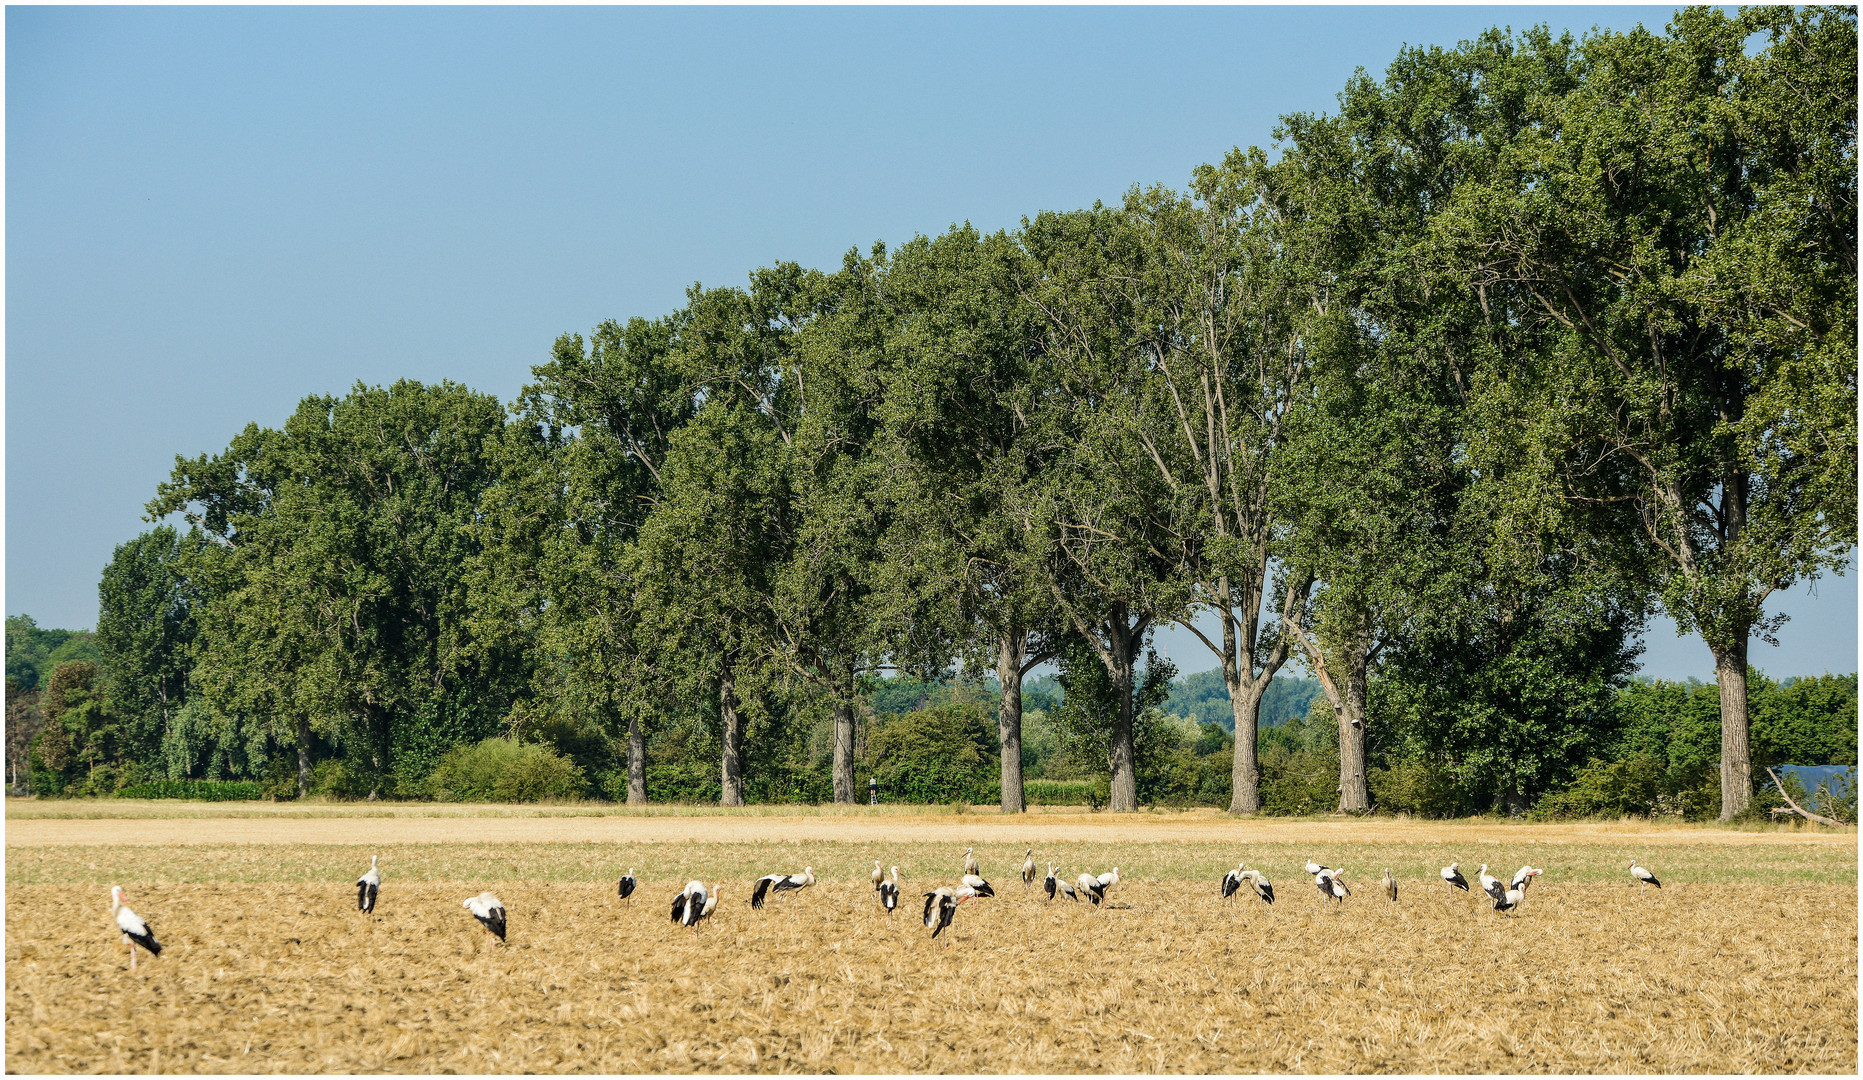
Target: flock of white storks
697	901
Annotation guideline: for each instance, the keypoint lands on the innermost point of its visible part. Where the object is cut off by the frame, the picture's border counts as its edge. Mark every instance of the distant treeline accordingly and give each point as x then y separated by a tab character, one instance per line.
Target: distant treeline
1436	404
937	742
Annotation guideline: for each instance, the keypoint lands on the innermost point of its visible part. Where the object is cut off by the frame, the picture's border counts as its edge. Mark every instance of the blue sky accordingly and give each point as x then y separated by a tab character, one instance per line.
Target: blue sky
213	212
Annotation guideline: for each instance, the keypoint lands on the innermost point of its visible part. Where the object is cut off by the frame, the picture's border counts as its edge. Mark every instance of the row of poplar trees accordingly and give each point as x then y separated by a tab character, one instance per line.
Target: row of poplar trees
1529	339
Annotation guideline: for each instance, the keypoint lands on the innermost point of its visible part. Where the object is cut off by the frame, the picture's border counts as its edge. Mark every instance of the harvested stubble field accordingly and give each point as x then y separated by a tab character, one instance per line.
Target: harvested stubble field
1747	961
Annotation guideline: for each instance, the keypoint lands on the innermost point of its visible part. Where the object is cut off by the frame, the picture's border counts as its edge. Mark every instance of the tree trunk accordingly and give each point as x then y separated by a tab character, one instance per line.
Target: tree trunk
303	757
843	750
1014	646
1245	776
1242	611
1245	707
1354	797
636	762
731	769
1123	796
1730	671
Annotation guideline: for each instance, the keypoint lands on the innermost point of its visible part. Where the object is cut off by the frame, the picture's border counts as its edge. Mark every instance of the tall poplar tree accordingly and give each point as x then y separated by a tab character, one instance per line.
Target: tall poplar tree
968	377
589	438
1115	564
1682	222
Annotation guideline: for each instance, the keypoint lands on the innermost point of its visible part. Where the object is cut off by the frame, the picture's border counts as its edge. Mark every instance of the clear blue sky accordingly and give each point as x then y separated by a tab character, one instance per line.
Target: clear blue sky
213	212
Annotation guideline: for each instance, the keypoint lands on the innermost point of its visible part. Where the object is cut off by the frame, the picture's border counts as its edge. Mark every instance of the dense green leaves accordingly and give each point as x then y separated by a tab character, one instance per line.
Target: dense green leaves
337	593
32	651
1676	220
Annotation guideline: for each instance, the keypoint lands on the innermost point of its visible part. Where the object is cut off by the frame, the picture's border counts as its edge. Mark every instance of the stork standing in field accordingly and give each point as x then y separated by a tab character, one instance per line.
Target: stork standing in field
1096	888
1489	882
1508	900
1051	886
1331	885
889	893
1523	878
878	875
1453	875
940	907
627	885
1262	886
694	904
781	883
1028	869
490	911
977	886
970	862
1643	876
366	887
1316	869
135	931
1390	885
1232	881
1323	879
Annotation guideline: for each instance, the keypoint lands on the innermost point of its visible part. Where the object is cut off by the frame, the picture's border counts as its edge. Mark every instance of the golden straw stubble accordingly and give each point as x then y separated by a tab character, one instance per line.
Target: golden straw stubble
270	978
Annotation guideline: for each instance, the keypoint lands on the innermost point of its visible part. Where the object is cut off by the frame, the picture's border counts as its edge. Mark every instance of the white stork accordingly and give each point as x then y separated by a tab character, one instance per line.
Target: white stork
879	875
781	883
1524	877
1390	885
693	904
1233	880
1262	886
1052	886
1028	869
627	884
490	911
135	931
1330	884
940	906
1488	881
1643	876
970	862
977	885
889	893
366	887
1508	900
1453	875
1096	888
1316	869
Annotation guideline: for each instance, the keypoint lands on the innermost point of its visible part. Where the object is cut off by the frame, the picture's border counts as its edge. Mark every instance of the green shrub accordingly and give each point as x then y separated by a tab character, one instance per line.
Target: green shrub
281	777
1065	792
946	753
1416	786
204	790
500	770
1300	764
1609	789
338	779
678	782
1641	785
